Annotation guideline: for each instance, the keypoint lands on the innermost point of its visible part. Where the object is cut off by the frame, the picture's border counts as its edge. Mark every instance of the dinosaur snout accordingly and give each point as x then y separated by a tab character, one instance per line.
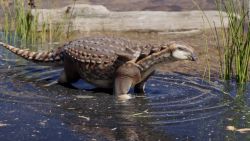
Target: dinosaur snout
193	57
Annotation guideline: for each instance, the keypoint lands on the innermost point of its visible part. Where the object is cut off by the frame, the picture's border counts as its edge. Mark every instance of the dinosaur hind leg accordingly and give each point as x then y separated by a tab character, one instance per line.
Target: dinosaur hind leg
70	73
67	79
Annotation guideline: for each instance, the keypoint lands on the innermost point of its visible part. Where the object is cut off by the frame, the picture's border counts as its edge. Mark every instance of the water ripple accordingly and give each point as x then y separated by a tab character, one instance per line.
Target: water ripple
174	98
171	99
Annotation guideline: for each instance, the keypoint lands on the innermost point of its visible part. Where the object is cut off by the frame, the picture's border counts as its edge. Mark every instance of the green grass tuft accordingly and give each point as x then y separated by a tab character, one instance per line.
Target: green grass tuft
21	26
234	45
233	40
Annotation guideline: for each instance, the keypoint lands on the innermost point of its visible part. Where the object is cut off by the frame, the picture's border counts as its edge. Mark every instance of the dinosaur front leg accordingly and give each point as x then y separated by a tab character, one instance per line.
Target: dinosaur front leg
122	86
139	88
127	76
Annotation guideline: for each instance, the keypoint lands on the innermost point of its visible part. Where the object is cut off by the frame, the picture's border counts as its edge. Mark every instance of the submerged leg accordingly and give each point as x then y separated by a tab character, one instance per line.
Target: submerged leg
65	78
66	81
127	76
139	88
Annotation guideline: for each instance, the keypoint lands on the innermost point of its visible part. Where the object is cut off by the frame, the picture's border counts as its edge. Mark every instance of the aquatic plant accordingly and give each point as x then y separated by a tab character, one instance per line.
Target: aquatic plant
21	25
67	17
233	39
234	44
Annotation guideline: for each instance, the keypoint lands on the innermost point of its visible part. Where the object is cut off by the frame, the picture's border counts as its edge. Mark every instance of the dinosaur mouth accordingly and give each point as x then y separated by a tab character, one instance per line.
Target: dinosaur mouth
193	57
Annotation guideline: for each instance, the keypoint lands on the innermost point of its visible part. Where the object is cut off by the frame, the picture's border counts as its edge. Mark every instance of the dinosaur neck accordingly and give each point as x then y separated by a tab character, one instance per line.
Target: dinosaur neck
46	58
150	63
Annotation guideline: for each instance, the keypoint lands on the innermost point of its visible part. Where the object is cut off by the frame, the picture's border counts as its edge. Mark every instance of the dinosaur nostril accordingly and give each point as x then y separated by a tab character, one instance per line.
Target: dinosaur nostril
193	57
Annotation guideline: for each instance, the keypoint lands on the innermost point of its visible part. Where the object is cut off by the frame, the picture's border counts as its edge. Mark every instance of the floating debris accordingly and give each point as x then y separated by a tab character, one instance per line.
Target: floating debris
242	130
113	129
50	84
84	96
87	118
3	125
141	113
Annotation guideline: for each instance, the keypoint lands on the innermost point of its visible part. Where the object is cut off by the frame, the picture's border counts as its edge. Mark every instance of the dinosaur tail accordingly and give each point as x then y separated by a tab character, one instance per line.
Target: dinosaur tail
46	58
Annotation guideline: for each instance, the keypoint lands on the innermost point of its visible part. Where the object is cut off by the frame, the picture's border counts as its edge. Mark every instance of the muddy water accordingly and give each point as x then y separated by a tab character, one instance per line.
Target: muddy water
177	106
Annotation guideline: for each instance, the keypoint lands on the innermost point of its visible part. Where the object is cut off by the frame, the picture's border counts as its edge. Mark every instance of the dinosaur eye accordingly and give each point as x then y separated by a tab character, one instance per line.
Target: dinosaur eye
181	49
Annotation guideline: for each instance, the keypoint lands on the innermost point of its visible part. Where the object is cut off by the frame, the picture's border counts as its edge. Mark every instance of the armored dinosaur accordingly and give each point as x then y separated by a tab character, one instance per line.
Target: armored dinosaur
109	62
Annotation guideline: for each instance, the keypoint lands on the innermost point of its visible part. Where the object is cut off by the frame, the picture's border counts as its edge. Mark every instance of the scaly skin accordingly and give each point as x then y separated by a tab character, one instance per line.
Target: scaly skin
109	62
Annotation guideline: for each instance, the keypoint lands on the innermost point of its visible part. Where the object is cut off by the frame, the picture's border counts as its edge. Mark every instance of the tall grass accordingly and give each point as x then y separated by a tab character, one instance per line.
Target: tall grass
26	24
20	25
233	42
233	39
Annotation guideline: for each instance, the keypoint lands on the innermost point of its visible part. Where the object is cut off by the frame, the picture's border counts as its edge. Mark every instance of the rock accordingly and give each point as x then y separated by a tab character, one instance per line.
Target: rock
83	17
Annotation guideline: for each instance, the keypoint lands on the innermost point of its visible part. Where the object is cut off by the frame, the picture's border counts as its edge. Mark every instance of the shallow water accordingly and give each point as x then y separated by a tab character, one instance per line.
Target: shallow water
176	107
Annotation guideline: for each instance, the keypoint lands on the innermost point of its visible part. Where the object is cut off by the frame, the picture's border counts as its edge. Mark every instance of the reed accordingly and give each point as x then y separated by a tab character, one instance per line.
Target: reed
233	39
234	44
24	26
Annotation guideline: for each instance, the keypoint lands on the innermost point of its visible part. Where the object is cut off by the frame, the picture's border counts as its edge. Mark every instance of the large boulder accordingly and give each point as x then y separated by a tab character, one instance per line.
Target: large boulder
83	17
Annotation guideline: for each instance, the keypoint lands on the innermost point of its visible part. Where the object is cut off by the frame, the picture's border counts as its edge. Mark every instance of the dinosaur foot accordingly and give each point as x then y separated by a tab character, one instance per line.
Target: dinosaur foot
124	97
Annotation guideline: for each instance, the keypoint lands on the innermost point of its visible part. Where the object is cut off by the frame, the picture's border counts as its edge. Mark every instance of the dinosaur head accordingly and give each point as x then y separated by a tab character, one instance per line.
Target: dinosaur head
182	52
